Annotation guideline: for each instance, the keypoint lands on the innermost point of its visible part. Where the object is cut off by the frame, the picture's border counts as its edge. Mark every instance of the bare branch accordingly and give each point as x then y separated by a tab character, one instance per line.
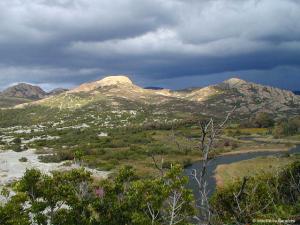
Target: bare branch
158	165
209	132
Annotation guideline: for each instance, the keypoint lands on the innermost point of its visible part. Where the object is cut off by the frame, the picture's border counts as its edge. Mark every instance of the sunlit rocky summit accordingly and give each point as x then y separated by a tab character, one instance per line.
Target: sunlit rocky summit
107	81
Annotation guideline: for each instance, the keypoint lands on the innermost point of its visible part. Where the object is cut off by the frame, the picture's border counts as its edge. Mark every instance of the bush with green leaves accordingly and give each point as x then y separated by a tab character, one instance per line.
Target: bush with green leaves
17	148
23	159
264	196
74	198
287	127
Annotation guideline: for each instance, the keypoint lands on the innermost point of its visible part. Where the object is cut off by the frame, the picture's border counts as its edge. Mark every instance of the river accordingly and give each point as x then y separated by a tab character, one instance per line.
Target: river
227	159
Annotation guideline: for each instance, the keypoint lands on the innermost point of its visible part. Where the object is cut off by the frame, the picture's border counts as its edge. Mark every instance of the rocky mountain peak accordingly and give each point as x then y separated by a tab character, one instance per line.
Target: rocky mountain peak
23	90
114	80
107	81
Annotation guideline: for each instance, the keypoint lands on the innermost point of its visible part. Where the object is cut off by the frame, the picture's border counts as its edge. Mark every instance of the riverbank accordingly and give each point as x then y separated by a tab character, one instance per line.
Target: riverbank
227	173
227	159
239	169
275	149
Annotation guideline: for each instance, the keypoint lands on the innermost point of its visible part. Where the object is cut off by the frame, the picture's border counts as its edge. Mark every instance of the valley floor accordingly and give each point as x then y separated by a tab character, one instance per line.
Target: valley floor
109	150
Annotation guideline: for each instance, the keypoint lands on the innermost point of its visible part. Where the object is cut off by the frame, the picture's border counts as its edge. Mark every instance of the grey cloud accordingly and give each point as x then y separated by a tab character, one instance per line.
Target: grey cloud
71	41
47	75
251	19
27	21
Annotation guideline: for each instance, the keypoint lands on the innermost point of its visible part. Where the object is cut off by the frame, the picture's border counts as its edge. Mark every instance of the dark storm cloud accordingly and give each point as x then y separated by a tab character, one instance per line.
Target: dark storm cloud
66	42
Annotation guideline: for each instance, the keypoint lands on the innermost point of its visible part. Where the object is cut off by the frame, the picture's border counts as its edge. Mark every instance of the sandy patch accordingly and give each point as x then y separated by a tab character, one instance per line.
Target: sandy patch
12	169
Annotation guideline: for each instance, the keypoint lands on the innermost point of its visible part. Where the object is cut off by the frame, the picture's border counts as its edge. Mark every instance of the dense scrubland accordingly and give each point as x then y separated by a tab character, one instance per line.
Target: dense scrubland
74	198
111	148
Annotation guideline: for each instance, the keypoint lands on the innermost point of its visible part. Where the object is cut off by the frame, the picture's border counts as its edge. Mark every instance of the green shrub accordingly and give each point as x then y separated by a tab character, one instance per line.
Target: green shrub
59	156
17	141
17	148
23	159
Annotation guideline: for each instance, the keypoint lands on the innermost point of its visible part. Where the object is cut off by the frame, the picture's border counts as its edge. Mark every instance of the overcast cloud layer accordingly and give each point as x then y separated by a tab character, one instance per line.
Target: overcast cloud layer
170	43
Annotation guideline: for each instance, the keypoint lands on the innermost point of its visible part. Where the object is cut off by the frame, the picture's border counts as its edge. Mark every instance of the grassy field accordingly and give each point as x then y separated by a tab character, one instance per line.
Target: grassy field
225	174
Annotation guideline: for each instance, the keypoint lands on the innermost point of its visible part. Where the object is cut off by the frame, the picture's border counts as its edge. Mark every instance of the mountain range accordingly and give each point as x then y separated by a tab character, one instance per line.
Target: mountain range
119	93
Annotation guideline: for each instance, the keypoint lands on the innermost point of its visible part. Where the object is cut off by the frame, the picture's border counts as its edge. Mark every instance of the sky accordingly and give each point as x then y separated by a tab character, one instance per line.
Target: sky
166	43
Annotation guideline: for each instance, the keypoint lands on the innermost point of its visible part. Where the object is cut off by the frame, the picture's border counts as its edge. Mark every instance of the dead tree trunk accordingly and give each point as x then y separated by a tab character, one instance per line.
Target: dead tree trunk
210	130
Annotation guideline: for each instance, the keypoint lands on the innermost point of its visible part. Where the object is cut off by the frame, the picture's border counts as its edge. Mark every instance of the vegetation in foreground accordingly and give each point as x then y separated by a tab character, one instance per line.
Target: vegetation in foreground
264	196
72	198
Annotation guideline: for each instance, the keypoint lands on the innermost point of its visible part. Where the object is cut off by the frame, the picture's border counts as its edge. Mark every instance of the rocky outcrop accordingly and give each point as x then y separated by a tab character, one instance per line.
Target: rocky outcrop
251	97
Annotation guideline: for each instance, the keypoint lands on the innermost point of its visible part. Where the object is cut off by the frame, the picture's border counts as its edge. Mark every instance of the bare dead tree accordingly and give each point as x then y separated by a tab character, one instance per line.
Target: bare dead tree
175	204
173	137
210	130
172	211
158	164
242	189
237	199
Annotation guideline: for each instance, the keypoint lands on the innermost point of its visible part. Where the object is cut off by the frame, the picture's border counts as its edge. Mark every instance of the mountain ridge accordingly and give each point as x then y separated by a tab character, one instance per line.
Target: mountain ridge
120	93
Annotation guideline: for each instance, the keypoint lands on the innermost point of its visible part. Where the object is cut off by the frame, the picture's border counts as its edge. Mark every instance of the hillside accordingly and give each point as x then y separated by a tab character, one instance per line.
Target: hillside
113	95
252	98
